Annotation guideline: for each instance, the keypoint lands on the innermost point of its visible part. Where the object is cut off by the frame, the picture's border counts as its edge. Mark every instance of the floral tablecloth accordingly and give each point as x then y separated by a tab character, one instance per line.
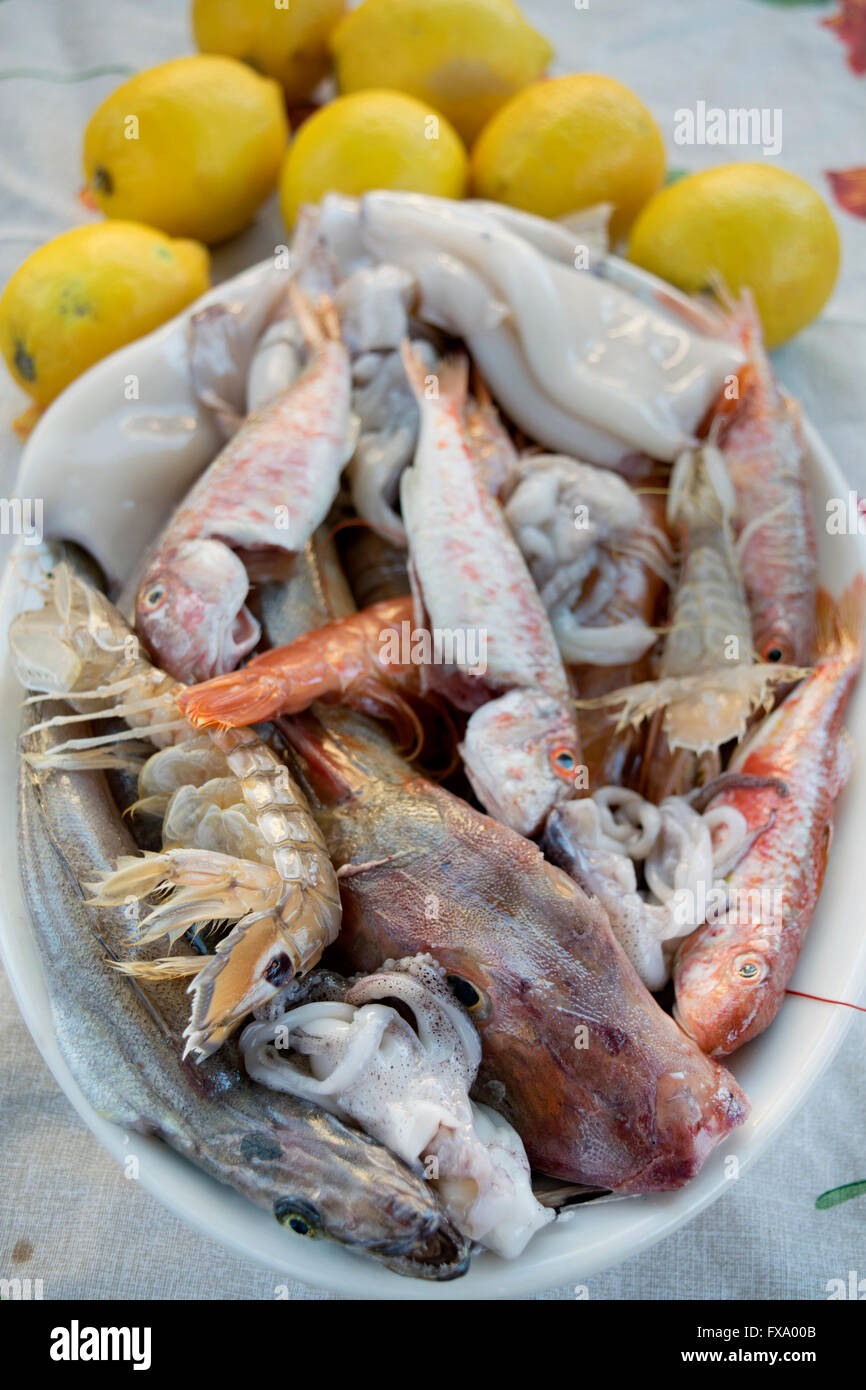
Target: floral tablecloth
68	1216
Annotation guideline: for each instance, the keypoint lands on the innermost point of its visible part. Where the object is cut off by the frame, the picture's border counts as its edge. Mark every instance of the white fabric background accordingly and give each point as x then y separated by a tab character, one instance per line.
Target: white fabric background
67	1214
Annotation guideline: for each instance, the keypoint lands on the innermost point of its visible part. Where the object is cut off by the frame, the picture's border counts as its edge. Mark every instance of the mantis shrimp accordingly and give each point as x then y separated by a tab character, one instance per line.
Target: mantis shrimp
709	683
239	843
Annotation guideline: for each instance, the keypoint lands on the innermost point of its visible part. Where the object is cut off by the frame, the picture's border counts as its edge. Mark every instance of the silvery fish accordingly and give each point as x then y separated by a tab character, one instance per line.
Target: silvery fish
124	1045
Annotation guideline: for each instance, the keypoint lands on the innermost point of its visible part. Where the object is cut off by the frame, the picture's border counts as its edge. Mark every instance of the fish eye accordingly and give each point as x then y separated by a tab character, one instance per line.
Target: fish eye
470	996
563	761
776	649
750	969
299	1216
154	596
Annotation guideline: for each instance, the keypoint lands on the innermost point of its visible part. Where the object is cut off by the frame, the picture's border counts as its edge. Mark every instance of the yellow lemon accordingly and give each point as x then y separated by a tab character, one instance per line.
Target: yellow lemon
372	140
287	40
462	57
192	147
88	292
752	224
569	143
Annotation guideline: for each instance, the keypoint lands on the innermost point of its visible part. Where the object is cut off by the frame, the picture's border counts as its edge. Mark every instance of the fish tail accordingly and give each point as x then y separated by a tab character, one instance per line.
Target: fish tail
449	382
840	622
319	321
239	698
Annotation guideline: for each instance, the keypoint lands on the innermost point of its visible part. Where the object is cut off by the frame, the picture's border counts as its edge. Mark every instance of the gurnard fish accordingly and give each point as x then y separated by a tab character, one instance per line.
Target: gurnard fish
521	747
731	974
123	1043
600	1084
250	512
763	444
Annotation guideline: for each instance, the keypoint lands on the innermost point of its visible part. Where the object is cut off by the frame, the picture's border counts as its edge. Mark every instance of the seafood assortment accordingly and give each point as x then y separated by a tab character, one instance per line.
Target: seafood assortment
567	1029
239	844
408	1086
121	1036
459	792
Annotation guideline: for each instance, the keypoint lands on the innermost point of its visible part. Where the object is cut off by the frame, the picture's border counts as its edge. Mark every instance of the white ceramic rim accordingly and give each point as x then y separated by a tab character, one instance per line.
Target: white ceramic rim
777	1071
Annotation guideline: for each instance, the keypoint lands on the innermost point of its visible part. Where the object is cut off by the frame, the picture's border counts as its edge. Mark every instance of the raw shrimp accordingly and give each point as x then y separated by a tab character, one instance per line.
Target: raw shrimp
355	660
281	894
708	683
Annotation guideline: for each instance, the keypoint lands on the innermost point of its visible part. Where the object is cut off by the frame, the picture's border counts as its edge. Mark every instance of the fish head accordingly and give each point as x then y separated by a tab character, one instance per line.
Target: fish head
612	1094
725	987
521	755
190	610
376	1206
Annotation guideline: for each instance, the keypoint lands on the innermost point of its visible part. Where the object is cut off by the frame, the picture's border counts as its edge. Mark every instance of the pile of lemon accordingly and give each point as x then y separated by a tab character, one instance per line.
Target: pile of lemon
438	96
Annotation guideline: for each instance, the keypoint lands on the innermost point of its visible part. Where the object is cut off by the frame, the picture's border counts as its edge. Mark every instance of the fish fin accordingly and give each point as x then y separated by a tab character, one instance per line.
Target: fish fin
451	376
237	699
840	621
372	696
318	321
